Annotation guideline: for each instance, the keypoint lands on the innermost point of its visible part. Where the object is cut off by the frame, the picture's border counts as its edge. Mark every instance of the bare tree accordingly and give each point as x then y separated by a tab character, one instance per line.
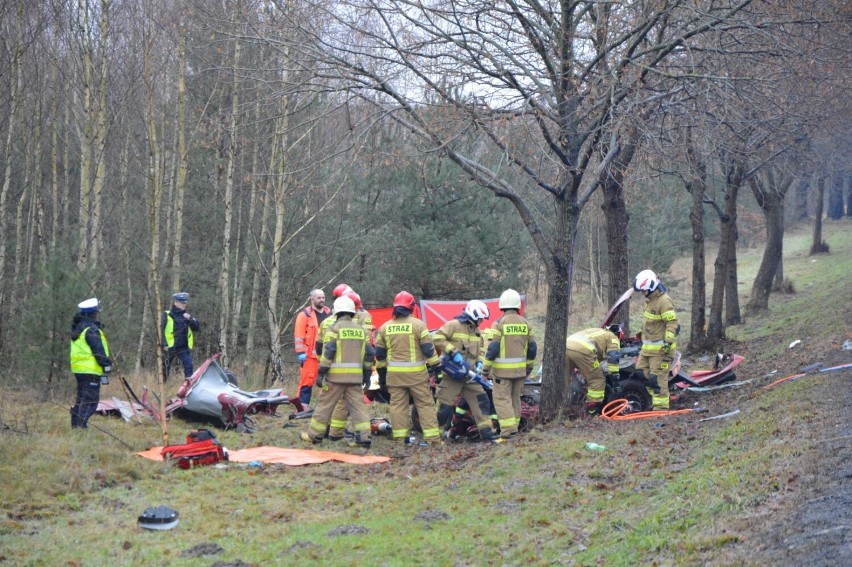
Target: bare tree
540	83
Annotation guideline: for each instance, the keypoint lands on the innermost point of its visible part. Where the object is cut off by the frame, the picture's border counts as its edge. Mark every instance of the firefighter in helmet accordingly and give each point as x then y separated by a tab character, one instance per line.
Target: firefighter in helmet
509	360
659	330
461	340
337	426
346	352
587	350
405	357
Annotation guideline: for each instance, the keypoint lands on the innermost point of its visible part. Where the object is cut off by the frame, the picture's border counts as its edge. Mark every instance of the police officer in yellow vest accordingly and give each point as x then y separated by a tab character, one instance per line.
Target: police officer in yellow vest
178	327
586	351
346	352
89	361
509	360
659	330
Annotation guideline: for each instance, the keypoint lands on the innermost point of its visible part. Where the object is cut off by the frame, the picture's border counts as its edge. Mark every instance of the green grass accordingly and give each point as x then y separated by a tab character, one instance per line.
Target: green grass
671	495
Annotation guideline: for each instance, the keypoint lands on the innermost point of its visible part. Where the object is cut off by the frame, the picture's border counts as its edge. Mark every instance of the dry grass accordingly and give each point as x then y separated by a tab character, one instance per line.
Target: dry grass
666	491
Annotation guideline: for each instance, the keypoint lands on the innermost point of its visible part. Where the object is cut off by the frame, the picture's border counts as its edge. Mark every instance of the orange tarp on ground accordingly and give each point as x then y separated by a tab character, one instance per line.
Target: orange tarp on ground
291	457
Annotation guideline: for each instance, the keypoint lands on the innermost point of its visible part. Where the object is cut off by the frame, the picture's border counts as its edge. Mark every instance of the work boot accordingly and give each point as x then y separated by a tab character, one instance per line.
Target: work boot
305	437
487	435
592	409
411	441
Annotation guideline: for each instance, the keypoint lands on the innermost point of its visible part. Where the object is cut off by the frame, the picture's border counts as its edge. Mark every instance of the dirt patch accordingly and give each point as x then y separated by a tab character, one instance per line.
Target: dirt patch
202	549
299	546
432	516
348	530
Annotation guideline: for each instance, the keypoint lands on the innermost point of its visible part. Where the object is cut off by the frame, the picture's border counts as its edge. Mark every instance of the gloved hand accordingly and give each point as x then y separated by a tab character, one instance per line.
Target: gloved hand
458	358
302	358
667	347
479	367
320	383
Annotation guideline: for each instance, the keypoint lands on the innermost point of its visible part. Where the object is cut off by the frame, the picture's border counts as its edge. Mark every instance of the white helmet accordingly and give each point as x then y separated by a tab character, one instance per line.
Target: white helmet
510	299
344	305
646	281
476	310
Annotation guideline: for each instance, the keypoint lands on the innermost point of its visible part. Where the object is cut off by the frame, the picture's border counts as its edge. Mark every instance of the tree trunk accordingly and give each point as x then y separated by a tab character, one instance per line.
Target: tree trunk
732	298
54	156
123	169
849	195
560	274
244	268
697	188
85	133
280	169
99	143
256	265
726	255
803	190
15	105
225	270
818	246
835	198
155	181
180	185
770	198
617	218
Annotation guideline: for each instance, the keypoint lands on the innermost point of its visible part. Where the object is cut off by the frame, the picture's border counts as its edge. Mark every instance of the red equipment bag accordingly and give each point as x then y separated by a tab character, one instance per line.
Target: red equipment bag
201	448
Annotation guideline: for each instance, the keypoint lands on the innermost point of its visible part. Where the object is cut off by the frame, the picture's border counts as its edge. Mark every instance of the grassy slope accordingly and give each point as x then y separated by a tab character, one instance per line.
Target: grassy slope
669	491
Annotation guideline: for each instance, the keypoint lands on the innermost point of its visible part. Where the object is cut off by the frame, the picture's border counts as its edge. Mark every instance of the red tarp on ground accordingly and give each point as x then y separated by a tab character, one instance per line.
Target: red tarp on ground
291	457
436	313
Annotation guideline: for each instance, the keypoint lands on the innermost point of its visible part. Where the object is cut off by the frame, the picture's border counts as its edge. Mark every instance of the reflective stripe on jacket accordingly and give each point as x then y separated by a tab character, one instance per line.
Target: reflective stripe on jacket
509	354
346	351
407	344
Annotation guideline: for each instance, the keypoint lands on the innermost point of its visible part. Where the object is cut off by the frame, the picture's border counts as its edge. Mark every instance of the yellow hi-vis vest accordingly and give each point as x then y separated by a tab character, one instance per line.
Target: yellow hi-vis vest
82	359
169	332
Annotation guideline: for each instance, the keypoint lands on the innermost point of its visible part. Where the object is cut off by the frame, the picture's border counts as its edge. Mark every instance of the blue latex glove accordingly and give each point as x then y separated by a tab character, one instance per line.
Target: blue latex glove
302	358
479	367
458	358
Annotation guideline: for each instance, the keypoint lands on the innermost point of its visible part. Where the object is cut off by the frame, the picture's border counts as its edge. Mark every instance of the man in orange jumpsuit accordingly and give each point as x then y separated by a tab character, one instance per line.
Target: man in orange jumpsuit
307	326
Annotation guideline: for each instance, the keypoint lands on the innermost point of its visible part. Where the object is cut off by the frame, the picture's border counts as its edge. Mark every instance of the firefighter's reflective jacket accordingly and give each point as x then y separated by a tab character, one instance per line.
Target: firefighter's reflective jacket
660	323
601	343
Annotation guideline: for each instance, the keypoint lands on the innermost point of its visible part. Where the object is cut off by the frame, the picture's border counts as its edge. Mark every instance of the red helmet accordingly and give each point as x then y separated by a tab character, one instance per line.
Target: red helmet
340	290
354	297
404	299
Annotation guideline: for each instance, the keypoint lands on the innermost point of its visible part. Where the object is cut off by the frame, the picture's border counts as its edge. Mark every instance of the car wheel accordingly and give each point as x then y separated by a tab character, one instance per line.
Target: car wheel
637	396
